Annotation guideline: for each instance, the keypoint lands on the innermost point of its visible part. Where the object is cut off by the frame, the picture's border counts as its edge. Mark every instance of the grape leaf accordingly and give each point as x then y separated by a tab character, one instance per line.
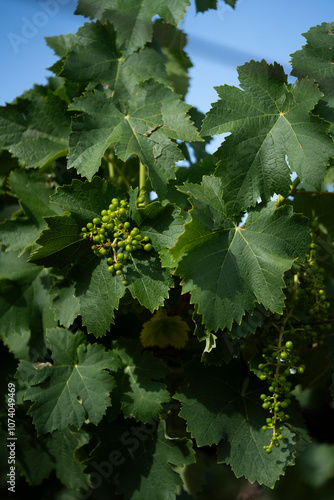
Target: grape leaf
63	446
35	130
60	43
98	293
223	406
38	457
330	343
33	189
33	459
316	60
172	42
132	18
152	116
95	58
144	459
64	303
75	388
163	330
147	280
24	305
269	121
59	243
227	268
138	391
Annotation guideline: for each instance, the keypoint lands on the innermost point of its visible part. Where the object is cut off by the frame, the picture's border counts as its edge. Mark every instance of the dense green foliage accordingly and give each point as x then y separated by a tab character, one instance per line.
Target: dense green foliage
165	325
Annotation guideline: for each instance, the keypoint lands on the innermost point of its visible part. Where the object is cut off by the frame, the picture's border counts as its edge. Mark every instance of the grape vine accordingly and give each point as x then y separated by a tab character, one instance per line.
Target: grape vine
167	330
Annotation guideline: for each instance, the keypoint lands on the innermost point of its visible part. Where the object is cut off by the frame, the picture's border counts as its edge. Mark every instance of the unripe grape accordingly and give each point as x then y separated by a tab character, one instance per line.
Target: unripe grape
147	247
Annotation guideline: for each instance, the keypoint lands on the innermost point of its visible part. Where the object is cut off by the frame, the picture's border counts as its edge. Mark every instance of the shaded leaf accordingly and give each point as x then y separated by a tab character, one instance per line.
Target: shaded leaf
24	305
74	388
162	330
223	406
35	130
138	390
33	190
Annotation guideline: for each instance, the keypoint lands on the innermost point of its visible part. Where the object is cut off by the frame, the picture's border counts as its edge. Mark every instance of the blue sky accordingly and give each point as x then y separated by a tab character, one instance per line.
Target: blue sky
218	41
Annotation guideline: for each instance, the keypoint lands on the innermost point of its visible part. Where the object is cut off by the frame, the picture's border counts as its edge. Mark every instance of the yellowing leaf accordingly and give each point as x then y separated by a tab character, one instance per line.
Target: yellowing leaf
162	330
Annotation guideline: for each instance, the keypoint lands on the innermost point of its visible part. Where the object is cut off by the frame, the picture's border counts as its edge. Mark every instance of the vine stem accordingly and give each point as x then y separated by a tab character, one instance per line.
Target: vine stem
112	168
142	178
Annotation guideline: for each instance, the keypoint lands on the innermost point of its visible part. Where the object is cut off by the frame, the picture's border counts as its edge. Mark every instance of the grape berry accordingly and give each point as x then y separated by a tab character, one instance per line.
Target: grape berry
113	237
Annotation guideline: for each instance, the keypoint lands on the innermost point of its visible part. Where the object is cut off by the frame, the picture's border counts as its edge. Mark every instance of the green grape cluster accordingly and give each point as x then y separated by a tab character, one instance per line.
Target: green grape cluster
310	298
280	361
305	320
114	238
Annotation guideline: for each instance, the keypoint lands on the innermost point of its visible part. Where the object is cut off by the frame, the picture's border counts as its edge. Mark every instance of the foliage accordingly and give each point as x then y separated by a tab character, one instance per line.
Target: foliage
167	325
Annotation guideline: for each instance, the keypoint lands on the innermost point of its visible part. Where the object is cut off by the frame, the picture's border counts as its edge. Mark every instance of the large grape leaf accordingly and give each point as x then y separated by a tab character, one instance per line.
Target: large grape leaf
269	121
132	19
33	190
24	305
316	60
143	458
138	390
74	388
35	129
149	120
95	58
223	406
228	268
